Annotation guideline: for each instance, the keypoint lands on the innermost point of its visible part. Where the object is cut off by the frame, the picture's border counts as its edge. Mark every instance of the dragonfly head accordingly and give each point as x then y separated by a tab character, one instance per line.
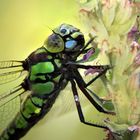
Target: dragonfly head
65	38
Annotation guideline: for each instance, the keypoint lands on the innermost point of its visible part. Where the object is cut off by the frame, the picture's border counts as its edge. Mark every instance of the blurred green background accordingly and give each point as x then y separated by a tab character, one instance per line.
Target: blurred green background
23	28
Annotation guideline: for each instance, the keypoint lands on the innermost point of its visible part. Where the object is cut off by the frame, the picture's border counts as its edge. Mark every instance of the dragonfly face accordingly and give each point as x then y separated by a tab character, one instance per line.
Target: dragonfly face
65	38
49	69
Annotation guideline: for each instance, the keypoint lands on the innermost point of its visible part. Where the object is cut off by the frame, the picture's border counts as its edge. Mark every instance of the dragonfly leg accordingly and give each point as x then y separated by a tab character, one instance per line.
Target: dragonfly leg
87	44
79	109
92	97
101	70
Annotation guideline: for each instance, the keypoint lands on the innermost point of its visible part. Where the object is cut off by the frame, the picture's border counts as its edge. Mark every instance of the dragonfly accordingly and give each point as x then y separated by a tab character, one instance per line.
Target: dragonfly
48	70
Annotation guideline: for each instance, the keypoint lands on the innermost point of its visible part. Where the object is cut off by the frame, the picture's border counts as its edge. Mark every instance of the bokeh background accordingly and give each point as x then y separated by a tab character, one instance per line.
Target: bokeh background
24	25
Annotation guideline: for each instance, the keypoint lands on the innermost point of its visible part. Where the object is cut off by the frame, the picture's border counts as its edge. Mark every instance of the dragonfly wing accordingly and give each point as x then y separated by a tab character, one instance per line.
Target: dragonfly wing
10	71
11	95
8	112
12	75
10	103
10	64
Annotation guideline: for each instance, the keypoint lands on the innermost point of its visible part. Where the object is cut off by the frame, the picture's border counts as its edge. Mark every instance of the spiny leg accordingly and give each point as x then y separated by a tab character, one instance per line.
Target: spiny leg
101	70
79	109
94	99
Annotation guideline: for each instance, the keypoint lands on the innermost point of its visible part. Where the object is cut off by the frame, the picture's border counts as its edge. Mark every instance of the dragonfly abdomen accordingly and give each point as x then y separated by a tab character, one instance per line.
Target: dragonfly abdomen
32	111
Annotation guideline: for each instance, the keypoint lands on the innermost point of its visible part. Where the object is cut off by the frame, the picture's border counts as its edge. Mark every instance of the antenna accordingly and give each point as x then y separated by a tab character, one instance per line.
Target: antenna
50	28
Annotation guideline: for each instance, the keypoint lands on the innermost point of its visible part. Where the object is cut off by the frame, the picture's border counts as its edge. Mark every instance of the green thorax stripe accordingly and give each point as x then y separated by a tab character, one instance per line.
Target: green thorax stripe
41	68
43	88
44	73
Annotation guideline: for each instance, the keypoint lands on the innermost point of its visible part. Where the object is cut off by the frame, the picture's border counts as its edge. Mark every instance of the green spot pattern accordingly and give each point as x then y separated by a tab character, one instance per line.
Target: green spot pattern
49	57
57	62
43	88
56	79
42	67
30	109
37	101
20	122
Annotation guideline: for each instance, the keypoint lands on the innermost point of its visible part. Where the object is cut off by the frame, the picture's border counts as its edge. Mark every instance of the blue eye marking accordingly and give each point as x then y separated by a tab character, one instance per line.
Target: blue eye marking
63	31
70	44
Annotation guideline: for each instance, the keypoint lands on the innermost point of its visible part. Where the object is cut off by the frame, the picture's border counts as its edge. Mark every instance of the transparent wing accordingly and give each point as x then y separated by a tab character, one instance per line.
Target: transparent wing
11	95
10	106
10	71
65	104
10	64
8	112
11	76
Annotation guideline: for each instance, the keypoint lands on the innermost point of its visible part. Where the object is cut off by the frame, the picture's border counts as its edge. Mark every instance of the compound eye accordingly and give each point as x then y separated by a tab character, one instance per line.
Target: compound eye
63	31
54	43
70	44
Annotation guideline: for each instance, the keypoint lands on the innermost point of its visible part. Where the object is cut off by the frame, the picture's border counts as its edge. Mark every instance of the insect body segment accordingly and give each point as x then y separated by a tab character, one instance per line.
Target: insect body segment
43	73
49	69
